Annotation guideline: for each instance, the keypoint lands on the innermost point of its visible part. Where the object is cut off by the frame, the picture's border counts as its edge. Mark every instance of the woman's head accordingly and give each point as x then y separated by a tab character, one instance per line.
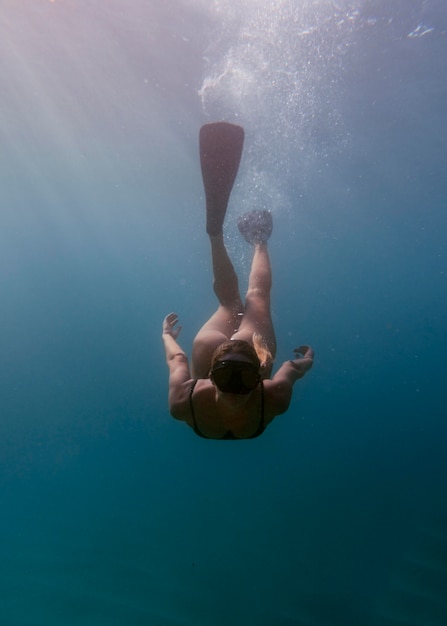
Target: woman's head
235	368
238	347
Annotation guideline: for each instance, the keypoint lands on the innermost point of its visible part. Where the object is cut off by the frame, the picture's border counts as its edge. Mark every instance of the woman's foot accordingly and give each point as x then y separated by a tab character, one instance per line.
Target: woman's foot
255	226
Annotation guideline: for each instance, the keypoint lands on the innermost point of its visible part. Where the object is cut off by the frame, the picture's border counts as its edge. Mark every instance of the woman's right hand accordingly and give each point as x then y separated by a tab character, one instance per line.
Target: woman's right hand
303	361
168	325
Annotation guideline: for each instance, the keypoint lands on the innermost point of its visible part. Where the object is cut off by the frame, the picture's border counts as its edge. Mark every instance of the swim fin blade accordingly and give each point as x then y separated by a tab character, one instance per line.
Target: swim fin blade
221	146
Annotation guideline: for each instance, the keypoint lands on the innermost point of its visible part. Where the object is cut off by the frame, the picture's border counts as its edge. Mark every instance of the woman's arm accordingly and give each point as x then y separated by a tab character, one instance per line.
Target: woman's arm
280	389
179	374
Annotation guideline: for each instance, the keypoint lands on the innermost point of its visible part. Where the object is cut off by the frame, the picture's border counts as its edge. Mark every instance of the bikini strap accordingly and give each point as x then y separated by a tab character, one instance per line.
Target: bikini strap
262	403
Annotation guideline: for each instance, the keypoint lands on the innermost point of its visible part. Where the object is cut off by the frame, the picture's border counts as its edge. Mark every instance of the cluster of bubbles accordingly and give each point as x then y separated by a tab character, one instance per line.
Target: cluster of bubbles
274	66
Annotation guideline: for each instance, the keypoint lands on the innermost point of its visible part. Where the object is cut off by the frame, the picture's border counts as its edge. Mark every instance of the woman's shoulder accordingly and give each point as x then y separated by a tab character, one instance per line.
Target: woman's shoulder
190	391
276	398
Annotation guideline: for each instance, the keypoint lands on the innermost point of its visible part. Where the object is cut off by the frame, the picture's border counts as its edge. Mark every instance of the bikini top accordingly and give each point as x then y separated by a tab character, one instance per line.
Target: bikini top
229	434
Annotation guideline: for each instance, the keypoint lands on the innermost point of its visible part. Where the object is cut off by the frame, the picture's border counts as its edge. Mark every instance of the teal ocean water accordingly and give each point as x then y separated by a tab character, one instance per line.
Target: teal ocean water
112	513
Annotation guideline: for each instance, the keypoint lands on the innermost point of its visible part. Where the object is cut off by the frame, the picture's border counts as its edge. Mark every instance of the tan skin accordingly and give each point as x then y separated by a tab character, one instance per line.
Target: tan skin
217	412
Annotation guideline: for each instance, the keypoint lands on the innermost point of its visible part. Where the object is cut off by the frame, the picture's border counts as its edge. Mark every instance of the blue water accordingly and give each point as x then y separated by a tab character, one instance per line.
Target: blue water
112	513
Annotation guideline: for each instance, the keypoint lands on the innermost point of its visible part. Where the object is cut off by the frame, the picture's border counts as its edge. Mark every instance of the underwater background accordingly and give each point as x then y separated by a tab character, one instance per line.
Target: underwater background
113	513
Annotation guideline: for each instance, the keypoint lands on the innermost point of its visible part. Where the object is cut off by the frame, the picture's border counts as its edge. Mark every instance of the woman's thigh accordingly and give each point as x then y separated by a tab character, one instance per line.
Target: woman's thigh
257	319
219	328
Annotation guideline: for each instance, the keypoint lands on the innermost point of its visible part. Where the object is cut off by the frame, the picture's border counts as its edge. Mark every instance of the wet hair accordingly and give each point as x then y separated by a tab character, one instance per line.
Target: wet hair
264	355
235	347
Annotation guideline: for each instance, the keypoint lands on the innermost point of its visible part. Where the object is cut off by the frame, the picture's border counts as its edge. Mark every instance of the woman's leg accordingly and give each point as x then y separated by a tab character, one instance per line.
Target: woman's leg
257	316
226	320
220	153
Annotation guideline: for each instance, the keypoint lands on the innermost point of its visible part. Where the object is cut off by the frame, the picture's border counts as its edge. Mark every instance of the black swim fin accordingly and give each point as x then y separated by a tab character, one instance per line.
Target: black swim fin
221	146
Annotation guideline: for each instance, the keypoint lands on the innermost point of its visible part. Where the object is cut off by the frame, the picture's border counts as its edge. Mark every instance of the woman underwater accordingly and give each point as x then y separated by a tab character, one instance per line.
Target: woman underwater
228	392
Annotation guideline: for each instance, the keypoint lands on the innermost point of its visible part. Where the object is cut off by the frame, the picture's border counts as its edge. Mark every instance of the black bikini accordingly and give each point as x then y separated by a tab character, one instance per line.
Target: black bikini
229	434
